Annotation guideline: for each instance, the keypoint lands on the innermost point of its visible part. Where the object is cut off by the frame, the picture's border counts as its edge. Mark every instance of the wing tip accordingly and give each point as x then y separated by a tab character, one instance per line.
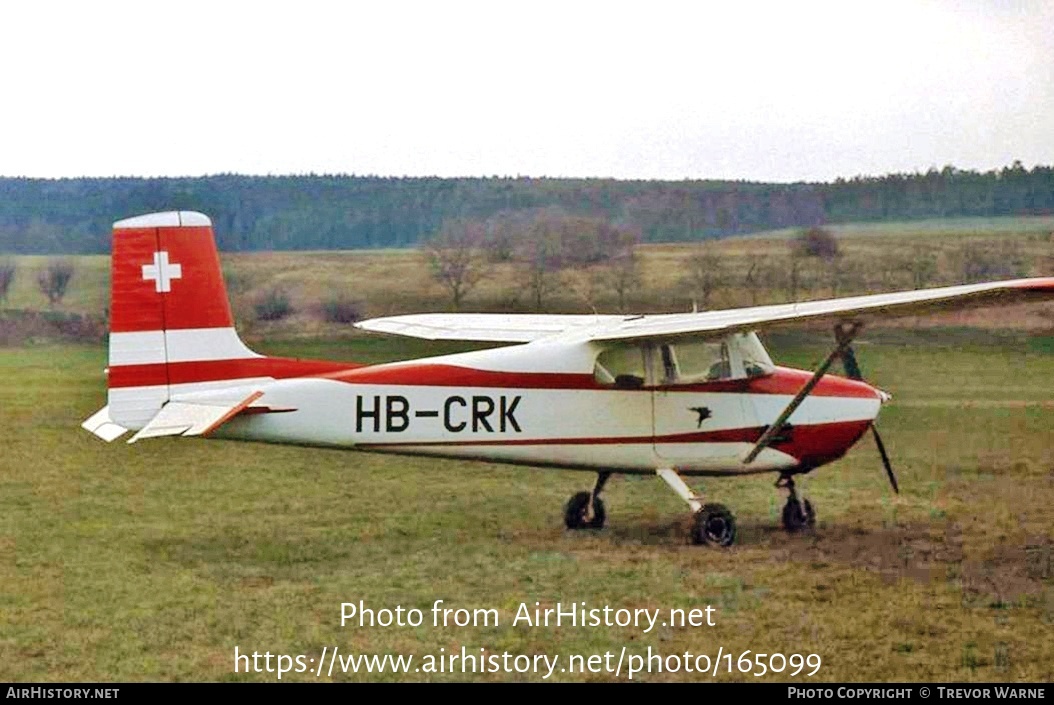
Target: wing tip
1042	284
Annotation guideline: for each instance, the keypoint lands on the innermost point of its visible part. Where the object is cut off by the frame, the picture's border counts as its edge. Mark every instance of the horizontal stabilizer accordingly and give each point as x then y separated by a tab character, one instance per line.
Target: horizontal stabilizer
100	424
199	417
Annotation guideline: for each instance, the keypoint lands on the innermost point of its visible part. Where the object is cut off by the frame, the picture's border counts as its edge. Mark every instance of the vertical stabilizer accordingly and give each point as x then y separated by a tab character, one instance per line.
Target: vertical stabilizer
170	317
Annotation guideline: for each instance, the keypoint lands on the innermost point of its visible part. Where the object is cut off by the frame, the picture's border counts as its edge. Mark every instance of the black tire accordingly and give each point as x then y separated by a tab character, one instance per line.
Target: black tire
798	516
575	512
714	525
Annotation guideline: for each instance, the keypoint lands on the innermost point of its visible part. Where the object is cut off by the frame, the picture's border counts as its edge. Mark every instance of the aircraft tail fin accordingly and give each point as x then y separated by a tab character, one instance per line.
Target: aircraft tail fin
171	328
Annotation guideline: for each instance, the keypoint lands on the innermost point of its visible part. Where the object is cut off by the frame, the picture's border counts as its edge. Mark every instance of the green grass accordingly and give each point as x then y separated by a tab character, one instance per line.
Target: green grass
153	561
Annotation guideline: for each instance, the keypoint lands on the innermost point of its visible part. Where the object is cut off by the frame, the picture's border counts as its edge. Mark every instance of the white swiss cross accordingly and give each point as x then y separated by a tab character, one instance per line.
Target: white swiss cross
162	272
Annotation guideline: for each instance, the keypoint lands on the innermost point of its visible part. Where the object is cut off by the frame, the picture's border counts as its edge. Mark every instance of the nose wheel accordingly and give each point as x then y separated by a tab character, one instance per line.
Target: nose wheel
798	514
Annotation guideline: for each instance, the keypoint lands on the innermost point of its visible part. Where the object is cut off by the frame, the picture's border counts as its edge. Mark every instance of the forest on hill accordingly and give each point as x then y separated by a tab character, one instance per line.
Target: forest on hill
328	212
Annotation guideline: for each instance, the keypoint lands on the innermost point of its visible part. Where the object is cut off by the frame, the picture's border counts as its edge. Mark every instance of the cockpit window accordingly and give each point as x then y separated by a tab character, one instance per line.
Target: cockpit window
622	366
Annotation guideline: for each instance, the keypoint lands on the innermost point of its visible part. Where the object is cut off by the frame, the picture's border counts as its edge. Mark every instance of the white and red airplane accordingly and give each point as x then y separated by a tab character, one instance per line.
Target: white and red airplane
670	394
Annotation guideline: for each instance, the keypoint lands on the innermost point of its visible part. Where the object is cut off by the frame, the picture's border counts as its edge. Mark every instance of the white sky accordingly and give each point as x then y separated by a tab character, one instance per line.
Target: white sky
773	91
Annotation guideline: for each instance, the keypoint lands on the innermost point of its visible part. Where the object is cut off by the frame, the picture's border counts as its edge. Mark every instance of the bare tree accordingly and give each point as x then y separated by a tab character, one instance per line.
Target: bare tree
584	240
541	264
923	266
7	276
838	268
501	232
705	274
753	279
54	279
623	276
456	257
795	273
587	283
590	240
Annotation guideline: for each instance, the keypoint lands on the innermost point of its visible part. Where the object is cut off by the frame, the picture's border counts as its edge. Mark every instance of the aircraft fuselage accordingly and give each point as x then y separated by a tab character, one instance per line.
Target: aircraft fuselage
443	407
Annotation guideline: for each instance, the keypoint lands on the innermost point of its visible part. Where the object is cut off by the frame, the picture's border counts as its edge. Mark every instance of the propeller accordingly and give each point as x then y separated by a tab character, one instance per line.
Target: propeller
852	370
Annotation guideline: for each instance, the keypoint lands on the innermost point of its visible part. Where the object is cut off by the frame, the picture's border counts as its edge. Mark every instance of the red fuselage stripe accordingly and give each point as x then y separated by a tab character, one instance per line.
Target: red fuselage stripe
219	370
812	445
783	381
733	435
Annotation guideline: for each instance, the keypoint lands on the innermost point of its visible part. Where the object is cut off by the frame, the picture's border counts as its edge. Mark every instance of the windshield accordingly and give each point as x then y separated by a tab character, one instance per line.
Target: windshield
756	360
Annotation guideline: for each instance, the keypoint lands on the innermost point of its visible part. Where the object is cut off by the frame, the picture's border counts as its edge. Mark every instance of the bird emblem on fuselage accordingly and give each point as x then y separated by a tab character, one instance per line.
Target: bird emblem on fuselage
704	414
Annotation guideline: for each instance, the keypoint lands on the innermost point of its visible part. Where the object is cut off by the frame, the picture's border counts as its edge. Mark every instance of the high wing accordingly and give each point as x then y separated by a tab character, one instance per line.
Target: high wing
484	327
522	328
857	308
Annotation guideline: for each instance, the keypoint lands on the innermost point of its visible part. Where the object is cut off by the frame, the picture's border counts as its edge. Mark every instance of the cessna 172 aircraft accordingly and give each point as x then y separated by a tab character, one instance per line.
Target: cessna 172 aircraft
675	395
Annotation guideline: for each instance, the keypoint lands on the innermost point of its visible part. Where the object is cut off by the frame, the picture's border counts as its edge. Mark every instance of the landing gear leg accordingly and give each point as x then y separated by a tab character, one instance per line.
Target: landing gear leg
585	510
798	513
712	523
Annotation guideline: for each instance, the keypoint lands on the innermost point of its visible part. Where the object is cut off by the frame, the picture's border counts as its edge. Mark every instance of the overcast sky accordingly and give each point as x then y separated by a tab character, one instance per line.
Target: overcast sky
772	91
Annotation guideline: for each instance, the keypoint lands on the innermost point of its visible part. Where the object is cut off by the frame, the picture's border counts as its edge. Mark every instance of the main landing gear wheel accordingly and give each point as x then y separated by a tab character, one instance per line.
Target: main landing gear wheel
585	510
577	509
715	525
798	513
712	524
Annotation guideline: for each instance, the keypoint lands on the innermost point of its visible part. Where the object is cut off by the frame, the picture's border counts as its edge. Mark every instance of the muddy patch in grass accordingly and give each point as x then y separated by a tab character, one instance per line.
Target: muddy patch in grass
990	575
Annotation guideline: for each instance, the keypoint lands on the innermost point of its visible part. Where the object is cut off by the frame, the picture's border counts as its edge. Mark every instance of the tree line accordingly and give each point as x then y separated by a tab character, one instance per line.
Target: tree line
74	216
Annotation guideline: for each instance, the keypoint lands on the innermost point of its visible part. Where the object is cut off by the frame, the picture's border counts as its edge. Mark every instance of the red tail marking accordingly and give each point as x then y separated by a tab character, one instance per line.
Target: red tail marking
135	306
167	278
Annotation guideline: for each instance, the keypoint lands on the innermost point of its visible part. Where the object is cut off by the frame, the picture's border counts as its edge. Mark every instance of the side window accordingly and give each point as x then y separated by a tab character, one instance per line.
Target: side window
695	362
621	366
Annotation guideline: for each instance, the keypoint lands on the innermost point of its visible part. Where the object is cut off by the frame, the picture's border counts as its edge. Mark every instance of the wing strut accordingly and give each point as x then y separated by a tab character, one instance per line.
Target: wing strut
845	338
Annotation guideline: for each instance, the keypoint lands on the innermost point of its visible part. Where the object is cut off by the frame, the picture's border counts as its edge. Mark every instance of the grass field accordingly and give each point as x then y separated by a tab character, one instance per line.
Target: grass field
154	561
